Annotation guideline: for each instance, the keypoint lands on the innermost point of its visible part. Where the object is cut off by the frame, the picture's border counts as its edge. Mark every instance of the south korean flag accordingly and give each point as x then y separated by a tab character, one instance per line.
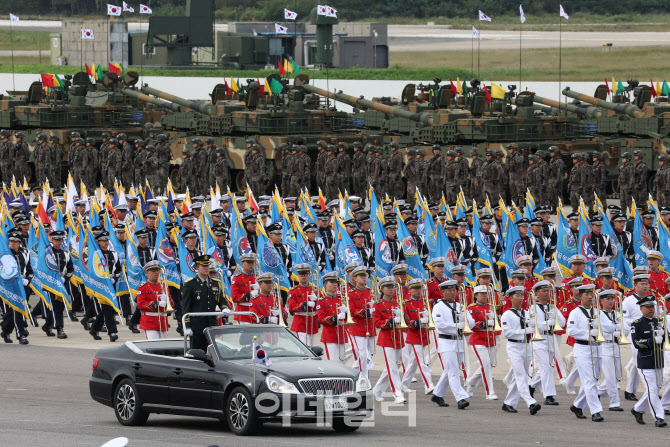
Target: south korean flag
127	7
113	10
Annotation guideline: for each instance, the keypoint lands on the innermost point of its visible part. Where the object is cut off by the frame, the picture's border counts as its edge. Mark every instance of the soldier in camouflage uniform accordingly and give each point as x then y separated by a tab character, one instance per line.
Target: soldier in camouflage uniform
662	181
435	173
128	154
320	165
78	159
641	171
139	172
152	167
587	182
383	179
6	156
543	170
164	154
186	170
221	168
515	169
200	167
359	170
451	180
463	170
258	170
423	170
556	173
114	164
286	163
211	161
103	156
492	176
296	170
307	168
599	176
39	158
21	156
91	171
55	159
498	157
396	165
575	183
476	184
534	180
372	172
344	167
412	175
331	173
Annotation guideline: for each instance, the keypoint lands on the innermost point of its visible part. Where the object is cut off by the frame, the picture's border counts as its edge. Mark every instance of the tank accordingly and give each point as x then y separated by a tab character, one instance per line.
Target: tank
626	109
556	107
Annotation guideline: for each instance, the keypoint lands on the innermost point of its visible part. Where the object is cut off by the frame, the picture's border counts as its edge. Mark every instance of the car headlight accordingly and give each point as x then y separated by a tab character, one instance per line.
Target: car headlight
363	384
279	385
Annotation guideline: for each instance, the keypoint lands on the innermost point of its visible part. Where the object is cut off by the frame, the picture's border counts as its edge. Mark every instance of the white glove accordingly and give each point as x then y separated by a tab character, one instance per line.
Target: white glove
273	320
424	314
460	325
226	311
551	322
371	303
617	333
25	282
489	323
311	297
396	313
274	312
162	303
113	281
218	309
189	332
658	339
229	273
254	287
254	293
529	330
593	332
423	320
341	316
530	322
162	297
551	315
594	324
342	309
489	315
311	304
658	332
396	320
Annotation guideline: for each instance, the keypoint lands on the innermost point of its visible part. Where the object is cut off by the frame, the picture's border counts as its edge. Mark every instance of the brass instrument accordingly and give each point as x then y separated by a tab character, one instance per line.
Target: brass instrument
595	365
491	299
400	302
345	297
462	297
162	280
536	333
276	295
460	335
618	305
429	327
554	298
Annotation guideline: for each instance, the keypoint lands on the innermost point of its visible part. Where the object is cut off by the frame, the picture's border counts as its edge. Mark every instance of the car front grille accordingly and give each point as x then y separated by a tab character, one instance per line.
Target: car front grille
327	387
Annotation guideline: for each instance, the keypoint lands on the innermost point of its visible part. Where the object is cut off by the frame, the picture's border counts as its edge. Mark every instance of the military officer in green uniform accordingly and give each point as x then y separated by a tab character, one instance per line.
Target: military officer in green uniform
202	294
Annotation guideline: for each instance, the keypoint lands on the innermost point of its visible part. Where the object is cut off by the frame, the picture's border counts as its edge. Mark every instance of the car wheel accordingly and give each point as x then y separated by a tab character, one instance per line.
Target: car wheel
127	404
342	425
240	412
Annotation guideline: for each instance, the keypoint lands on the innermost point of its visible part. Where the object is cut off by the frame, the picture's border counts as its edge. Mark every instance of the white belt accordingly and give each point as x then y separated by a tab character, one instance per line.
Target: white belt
155	314
244	304
305	314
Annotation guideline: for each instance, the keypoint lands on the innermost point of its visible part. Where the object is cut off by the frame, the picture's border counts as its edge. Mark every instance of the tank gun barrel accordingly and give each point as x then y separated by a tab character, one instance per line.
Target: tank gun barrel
423	117
589	112
625	109
151	100
198	106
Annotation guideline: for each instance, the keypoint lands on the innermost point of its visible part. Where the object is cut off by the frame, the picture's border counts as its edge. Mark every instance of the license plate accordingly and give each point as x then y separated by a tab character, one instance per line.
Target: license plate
335	404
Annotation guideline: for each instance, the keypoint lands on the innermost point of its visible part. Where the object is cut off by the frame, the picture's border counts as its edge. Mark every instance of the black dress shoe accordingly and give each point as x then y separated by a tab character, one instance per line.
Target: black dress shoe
508	409
133	329
597	417
615	409
661	423
84	322
531	390
47	330
180	329
61	333
113	337
463	404
439	401
578	412
667	412
23	340
94	335
534	408
550	401
6	338
629	396
638	416
73	316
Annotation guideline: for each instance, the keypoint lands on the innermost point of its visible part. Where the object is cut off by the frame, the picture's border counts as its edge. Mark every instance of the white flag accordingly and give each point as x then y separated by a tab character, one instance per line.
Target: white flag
321	10
290	15
144	9
476	33
483	16
331	12
127	7
563	13
260	356
523	17
280	29
87	34
113	10
13	18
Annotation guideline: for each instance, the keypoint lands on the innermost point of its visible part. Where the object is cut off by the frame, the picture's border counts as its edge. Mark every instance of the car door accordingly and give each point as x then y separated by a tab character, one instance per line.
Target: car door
152	378
191	384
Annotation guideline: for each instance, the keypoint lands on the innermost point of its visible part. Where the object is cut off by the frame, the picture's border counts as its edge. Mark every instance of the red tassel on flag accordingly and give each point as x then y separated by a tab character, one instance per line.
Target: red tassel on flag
453	88
488	95
281	67
228	90
654	93
608	86
260	88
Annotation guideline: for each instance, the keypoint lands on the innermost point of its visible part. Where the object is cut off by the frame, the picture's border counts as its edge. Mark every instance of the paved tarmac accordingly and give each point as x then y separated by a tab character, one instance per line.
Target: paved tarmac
45	401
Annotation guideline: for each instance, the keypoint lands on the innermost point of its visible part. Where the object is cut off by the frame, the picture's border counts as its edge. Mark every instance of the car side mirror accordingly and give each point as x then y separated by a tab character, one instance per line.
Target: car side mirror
317	350
199	354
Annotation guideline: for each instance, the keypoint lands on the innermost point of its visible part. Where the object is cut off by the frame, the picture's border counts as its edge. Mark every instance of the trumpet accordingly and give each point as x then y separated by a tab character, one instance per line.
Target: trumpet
276	295
345	297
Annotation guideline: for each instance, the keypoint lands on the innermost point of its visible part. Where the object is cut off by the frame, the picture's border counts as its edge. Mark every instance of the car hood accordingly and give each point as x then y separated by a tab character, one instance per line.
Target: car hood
302	368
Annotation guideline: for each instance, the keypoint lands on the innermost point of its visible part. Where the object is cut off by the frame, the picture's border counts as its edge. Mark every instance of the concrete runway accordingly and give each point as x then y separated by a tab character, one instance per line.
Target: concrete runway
45	401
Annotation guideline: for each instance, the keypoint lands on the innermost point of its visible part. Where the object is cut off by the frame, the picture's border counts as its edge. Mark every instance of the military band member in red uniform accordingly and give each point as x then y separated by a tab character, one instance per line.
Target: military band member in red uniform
606	281
152	301
362	335
243	286
458	273
417	318
332	315
577	265
302	305
526	263
387	320
657	277
483	341
518	280
264	304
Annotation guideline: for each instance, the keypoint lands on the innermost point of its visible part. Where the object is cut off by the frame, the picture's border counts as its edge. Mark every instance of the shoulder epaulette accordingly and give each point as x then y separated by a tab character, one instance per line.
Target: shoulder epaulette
142	284
216	281
637	320
471	305
189	280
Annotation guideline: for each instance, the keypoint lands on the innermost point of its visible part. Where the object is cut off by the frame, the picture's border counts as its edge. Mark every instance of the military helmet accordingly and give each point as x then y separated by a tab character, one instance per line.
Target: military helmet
451	154
138	141
459	149
540	153
343	145
41	136
576	156
209	140
74	135
249	141
394	144
186	152
142	143
532	157
474	150
150	148
303	148
113	141
410	152
512	146
18	134
4	133
321	143
553	149
597	155
370	148
331	148
122	136
626	155
282	147
90	140
53	138
161	137
420	152
436	147
106	135
256	146
220	150
497	152
638	154
358	144
663	157
197	141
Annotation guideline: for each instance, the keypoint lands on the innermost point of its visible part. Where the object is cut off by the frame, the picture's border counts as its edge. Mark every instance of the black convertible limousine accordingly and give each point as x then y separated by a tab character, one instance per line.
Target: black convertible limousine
226	382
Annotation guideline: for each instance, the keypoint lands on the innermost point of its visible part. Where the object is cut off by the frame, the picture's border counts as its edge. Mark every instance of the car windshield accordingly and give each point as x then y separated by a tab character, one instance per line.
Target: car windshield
233	343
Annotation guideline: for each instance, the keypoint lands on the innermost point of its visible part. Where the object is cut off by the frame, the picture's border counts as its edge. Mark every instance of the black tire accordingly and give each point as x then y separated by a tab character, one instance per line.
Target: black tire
240	412
341	425
127	404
